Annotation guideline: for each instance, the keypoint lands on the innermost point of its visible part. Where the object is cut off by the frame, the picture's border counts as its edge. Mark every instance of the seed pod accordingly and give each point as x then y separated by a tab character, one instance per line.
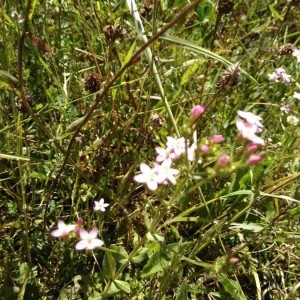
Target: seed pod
225	6
229	77
286	49
92	82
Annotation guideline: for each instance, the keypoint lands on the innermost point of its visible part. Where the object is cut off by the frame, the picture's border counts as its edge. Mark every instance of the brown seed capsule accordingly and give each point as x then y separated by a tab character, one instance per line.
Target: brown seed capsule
229	77
286	49
156	120
92	82
225	6
112	33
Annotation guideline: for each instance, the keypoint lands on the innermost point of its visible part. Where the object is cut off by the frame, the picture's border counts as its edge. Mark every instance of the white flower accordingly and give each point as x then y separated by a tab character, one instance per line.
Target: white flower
251	118
166	173
100	205
88	240
280	75
292	120
248	131
296	53
296	95
63	229
148	176
178	145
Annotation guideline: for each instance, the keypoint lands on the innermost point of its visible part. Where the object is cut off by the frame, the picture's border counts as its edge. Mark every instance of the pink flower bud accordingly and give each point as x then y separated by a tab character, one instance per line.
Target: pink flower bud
223	160
79	221
218	138
234	260
198	110
204	148
255	159
251	148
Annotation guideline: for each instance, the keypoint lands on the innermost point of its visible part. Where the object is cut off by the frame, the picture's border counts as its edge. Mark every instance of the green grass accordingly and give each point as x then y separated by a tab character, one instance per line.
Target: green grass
66	143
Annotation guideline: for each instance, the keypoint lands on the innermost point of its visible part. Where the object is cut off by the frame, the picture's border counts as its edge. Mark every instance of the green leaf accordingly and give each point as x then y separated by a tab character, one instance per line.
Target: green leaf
158	262
122	285
155	237
141	255
275	13
109	265
251	226
119	253
205	10
38	175
8	82
232	287
182	293
188	73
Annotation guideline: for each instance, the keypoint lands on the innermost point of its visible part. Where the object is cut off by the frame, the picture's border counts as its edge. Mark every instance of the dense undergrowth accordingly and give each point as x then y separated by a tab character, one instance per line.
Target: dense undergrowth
84	102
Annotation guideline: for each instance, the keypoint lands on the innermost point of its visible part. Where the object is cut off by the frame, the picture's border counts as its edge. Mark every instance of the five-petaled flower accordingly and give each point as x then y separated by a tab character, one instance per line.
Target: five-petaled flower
63	230
149	176
166	173
89	240
100	205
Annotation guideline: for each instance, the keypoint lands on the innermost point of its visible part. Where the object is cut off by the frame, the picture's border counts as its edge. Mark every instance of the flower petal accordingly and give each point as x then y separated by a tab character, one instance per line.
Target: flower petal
81	245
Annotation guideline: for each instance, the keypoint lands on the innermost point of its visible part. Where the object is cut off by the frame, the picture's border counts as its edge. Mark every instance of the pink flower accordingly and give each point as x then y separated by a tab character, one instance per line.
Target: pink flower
296	53
218	138
79	221
63	229
280	75
100	205
255	159
149	176
204	148
251	148
198	110
223	160
88	240
296	95
234	260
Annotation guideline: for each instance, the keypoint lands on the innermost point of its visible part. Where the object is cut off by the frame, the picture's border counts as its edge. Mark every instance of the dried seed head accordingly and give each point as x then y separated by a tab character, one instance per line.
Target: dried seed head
286	49
225	6
146	8
92	82
112	33
229	77
156	120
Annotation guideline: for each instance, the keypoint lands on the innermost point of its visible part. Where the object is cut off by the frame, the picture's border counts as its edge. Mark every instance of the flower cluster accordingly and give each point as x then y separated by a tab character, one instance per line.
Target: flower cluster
88	240
280	75
249	125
